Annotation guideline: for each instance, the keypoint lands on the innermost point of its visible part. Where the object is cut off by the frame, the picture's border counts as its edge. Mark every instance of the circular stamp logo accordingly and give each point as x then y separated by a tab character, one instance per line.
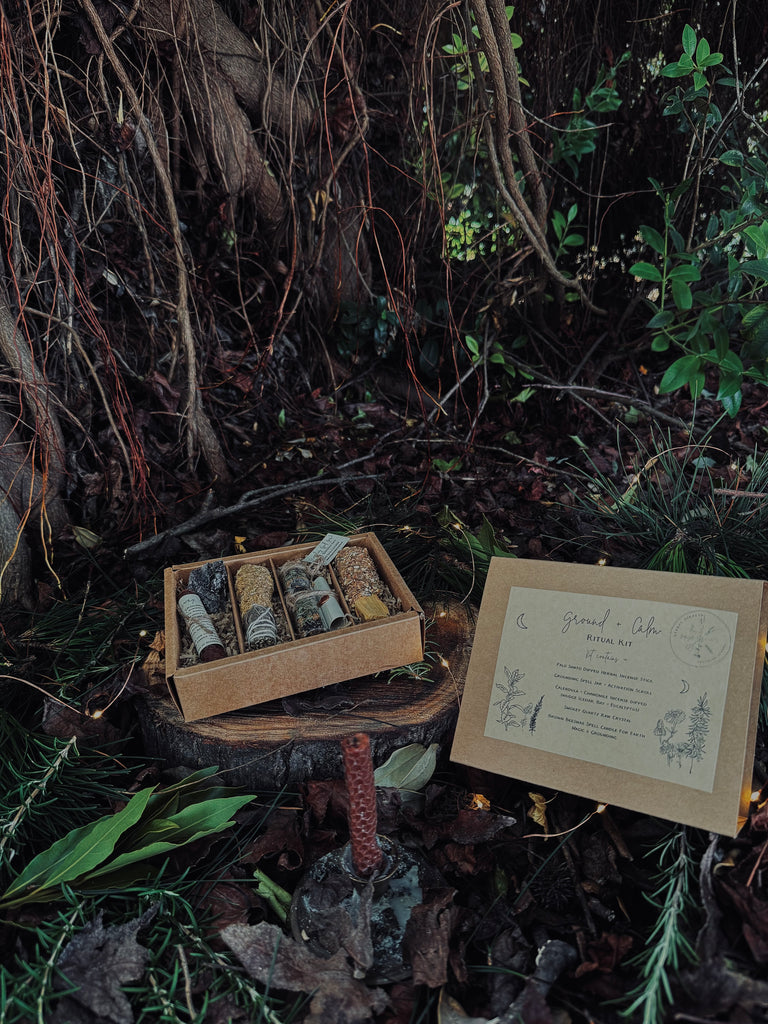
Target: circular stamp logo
700	638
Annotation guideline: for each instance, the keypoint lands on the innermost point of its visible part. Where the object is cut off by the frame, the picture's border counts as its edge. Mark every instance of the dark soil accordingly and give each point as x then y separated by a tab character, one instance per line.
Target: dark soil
528	469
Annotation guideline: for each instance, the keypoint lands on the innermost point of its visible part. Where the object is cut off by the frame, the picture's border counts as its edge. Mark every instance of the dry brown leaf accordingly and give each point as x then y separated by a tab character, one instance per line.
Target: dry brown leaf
273	958
538	813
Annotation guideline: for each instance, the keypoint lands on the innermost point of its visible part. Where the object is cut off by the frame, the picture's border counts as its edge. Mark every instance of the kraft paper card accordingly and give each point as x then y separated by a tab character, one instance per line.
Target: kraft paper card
633	687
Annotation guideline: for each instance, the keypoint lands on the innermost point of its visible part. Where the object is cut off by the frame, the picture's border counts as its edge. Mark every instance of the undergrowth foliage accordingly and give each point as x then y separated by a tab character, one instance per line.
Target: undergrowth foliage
193	235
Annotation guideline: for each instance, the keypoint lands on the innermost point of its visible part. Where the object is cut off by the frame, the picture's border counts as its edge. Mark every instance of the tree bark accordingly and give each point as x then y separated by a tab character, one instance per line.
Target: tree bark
266	748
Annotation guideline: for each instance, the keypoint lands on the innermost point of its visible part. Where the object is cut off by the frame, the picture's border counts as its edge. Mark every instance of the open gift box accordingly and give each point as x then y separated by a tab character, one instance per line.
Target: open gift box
297	663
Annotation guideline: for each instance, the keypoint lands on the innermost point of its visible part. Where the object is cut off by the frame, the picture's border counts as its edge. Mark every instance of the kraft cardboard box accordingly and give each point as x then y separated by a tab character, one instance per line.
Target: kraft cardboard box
633	687
253	677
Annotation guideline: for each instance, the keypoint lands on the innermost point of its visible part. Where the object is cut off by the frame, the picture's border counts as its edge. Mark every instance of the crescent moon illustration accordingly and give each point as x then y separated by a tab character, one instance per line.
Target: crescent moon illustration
521	621
686	686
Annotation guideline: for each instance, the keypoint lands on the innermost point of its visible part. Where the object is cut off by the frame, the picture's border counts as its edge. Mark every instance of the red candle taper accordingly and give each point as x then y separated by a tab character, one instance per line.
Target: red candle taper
367	855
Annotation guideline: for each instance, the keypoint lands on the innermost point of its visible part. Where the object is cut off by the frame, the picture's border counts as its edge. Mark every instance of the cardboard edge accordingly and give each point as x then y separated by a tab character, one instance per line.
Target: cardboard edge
747	785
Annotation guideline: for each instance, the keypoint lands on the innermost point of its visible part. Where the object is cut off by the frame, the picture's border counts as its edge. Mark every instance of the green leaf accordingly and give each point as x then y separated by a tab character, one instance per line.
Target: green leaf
696	384
661	319
689	40
755	268
702	51
699	80
674	71
681	294
732	403
731	363
722	340
517	41
75	854
653	238
711	61
681	372
730	384
660	343
685	272
194	822
409	767
645	271
755	316
732	158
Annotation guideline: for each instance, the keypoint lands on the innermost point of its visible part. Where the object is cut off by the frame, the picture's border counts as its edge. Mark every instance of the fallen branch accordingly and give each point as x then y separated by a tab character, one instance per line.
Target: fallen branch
614	396
251	499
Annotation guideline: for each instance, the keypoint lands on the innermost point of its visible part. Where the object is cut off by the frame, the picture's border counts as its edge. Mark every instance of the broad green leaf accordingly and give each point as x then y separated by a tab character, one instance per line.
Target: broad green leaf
755	268
699	81
710	61
702	51
730	384
696	384
645	271
194	822
409	767
732	403
686	62
685	272
674	71
195	787
573	239
681	372
731	363
517	41
681	294
660	343
721	339
732	158
677	239
689	40
75	854
755	316
200	815
653	238
661	319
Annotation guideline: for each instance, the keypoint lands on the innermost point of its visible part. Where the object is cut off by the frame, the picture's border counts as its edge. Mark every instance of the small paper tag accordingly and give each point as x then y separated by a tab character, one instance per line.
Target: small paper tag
327	549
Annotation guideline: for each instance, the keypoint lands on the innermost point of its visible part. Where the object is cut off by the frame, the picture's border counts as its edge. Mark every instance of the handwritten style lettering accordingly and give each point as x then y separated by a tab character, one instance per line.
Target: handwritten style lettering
571	618
647	629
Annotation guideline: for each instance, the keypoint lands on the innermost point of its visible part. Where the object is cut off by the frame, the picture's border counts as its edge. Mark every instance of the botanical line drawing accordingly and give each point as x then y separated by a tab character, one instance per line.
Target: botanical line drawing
513	714
535	715
690	749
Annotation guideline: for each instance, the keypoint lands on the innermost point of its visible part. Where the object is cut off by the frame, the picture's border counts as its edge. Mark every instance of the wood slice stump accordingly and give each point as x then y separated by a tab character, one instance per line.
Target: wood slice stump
284	743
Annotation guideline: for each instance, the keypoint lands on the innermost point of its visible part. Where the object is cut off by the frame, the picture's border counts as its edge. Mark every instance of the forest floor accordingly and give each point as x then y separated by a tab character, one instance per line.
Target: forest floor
529	869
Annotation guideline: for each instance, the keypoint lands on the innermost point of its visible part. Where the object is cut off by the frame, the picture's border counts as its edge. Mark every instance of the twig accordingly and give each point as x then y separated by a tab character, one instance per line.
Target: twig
248	501
735	493
198	425
616	397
